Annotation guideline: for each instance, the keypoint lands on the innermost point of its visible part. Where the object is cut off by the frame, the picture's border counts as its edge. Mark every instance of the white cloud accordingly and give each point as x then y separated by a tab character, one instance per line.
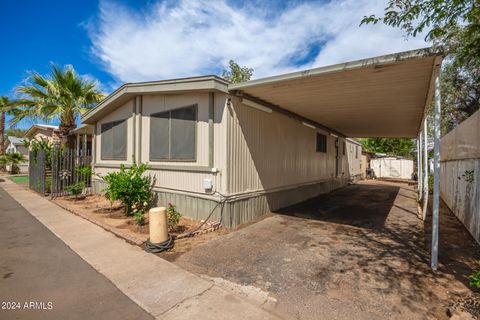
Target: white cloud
187	38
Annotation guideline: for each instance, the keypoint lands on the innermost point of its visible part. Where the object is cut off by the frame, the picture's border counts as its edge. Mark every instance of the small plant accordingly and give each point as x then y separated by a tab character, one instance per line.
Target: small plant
48	184
129	187
475	279
84	171
173	216
76	189
469	176
430	184
139	217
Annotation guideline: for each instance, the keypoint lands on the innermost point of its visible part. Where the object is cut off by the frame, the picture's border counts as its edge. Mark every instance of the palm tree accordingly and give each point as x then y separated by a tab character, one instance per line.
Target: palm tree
6	106
13	160
62	95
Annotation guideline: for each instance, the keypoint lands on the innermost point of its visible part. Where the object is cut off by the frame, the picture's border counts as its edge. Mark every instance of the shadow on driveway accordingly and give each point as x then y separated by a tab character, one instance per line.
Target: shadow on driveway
358	252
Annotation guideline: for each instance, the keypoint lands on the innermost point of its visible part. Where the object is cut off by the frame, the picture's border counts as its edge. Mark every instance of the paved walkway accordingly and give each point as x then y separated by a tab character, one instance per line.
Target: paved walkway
38	267
159	287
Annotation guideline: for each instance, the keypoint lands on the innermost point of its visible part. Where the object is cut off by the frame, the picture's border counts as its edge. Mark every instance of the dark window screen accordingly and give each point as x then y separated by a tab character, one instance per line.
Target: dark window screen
173	135
114	140
321	143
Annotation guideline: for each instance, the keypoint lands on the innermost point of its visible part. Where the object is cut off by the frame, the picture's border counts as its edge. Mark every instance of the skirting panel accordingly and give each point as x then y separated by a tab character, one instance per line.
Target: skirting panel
233	212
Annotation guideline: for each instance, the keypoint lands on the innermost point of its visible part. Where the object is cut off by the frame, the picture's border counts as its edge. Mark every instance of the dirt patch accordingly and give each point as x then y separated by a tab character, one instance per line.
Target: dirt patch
111	216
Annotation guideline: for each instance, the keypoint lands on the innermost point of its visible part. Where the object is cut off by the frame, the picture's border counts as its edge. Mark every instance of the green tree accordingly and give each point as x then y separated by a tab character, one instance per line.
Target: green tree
6	107
62	95
454	26
402	147
237	73
13	160
15	132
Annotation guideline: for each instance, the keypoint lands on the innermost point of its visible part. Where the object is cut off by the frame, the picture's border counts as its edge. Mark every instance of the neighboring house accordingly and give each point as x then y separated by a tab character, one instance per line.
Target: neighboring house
43	131
16	144
81	139
213	151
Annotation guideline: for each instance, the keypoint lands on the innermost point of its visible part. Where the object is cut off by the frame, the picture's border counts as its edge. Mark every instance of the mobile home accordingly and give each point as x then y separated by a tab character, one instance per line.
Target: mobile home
214	153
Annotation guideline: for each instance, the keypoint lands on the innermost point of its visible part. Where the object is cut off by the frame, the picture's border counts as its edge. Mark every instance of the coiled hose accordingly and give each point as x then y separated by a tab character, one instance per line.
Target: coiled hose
168	244
159	247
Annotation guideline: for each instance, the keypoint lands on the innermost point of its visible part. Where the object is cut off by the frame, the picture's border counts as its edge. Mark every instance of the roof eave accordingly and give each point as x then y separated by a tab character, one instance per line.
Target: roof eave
197	84
363	63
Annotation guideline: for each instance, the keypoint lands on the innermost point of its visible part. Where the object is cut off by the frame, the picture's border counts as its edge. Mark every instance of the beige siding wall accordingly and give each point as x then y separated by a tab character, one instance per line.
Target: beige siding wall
122	113
354	159
184	179
268	151
159	103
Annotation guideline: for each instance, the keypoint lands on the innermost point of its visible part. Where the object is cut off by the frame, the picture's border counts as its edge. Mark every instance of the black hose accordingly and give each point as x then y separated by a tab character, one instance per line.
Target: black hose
159	247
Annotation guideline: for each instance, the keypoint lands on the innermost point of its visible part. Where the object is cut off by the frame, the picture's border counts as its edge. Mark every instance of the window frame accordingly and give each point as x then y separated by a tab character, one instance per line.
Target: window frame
169	111
323	136
102	157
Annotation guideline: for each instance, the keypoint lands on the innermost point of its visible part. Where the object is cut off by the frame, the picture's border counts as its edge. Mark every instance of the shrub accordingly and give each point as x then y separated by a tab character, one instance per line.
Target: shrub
475	279
129	187
173	216
35	145
12	160
139	217
76	189
84	171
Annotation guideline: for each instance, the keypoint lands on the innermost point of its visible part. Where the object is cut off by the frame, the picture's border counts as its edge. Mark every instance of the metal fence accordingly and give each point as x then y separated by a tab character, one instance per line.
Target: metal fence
52	172
37	170
70	167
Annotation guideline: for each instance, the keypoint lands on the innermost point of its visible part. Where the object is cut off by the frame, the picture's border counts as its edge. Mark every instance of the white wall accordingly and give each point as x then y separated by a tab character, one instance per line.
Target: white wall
460	173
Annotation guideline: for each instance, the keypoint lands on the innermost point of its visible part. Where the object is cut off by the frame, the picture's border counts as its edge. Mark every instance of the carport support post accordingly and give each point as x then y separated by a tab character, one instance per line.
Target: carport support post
419	166
436	175
425	169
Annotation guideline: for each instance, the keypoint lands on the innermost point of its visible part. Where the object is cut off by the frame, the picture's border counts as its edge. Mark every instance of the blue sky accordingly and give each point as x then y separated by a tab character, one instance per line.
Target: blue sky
117	41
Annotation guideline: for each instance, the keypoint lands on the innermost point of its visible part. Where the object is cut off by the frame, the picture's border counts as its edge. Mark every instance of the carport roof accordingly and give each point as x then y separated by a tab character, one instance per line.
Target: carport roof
384	96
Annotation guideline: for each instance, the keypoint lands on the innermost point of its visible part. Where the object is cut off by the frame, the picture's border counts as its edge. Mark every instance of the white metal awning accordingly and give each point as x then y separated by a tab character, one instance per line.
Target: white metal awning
384	96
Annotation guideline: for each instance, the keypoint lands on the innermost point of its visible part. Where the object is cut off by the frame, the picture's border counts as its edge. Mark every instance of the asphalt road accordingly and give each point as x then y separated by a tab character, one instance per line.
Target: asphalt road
42	278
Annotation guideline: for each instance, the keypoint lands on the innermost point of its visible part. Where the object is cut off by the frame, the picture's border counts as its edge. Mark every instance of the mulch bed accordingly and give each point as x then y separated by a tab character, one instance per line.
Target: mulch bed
111	216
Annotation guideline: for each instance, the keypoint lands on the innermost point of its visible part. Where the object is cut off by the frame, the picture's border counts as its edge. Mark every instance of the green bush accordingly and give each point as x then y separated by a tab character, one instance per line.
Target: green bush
173	216
139	217
35	145
12	160
475	279
84	171
129	187
76	189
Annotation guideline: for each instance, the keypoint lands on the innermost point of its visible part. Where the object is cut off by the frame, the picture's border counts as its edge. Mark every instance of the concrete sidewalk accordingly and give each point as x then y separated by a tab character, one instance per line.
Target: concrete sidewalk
161	288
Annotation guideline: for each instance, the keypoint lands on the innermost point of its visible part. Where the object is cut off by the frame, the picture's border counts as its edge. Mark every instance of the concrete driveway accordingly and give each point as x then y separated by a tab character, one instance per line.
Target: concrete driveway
359	252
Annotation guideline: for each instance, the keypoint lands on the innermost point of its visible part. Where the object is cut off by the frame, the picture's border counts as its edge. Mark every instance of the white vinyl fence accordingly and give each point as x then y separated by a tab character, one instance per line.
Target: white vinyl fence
392	168
460	173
